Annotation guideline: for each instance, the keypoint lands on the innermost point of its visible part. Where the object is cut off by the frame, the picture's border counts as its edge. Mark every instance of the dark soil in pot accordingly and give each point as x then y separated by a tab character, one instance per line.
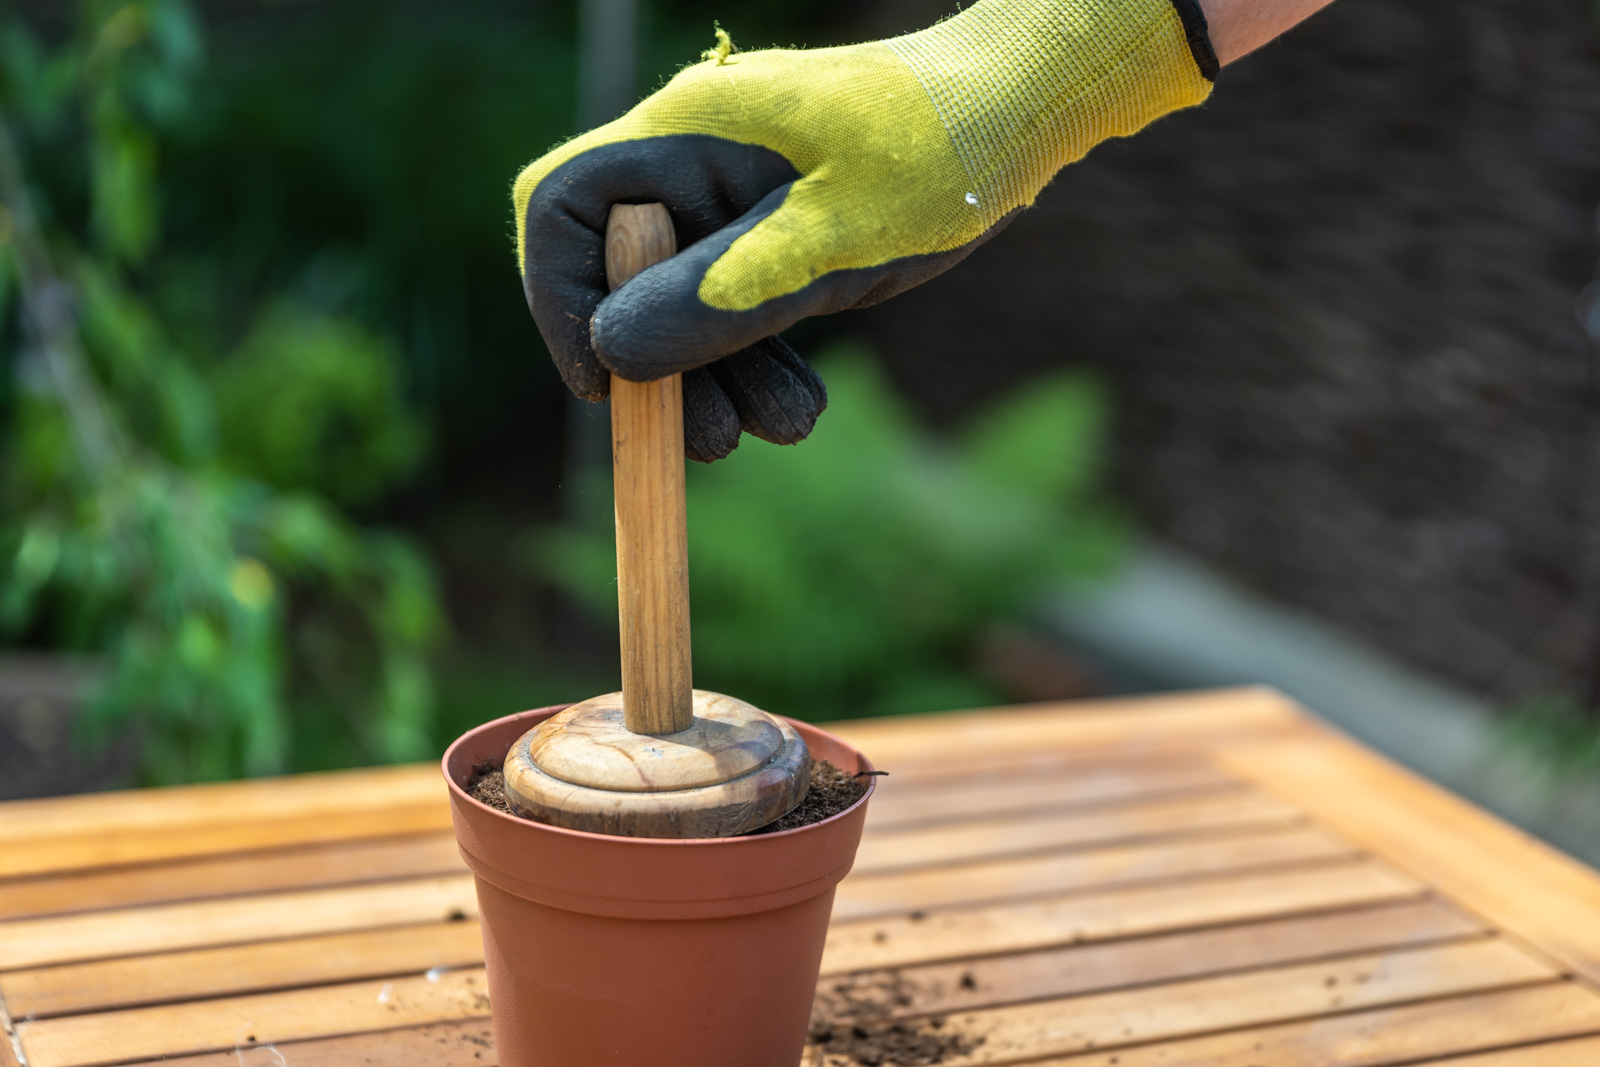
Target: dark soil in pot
832	791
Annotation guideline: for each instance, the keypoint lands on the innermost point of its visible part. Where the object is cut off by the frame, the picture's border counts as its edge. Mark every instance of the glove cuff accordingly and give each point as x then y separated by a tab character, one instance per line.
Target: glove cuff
1025	87
1199	37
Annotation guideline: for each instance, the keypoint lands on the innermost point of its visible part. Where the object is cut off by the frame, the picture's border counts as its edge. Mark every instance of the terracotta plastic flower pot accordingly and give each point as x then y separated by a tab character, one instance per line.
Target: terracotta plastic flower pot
644	951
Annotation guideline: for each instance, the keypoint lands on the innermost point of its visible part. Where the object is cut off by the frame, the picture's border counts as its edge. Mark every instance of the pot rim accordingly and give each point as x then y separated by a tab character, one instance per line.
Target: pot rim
585	835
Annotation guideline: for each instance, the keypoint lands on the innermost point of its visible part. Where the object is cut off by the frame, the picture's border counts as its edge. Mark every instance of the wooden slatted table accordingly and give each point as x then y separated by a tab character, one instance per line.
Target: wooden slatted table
1209	880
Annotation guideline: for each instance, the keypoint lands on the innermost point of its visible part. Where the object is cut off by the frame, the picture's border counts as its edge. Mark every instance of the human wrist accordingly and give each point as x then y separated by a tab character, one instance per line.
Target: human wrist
1239	27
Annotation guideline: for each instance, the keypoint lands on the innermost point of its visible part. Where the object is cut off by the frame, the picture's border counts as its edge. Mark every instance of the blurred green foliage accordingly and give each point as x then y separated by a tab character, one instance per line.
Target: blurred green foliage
257	302
1556	732
359	156
172	504
854	573
312	401
357	159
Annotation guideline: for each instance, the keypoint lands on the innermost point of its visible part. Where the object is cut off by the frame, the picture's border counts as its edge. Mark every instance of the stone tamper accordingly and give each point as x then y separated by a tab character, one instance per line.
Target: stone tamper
660	758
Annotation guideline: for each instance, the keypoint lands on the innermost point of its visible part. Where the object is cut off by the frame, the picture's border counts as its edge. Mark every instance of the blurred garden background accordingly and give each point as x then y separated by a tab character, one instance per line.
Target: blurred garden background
288	483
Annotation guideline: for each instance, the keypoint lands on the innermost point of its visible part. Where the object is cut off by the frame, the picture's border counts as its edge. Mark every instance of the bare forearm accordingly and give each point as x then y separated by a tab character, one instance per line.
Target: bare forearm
1239	27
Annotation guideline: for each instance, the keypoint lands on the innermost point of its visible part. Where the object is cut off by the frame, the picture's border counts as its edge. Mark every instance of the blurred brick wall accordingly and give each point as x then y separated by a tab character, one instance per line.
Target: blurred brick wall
1337	305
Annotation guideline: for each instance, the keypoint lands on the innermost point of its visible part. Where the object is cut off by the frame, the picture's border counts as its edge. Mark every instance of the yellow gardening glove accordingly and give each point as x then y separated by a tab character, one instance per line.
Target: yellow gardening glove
806	182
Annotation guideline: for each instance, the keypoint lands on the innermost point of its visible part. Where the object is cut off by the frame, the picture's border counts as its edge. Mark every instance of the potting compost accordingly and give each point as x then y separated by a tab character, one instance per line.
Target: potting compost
831	792
853	1020
899	1043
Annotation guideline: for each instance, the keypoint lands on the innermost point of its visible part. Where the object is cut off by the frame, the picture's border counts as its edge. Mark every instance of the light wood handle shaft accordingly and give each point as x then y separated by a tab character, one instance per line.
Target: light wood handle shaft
652	523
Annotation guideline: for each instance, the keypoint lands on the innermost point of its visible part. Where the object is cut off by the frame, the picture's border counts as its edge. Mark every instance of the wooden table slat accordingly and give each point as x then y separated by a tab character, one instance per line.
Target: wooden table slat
1584	1052
1403	1034
1073	970
951	842
1122	727
211	972
1122	911
464	1043
981	766
1031	923
168	927
262	1018
139	826
899	802
251	800
1175	1009
1123	862
344	863
1516	881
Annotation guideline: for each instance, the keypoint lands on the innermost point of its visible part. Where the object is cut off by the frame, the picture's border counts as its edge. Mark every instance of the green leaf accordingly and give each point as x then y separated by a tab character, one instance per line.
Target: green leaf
314	401
242	614
123	160
1045	440
854	573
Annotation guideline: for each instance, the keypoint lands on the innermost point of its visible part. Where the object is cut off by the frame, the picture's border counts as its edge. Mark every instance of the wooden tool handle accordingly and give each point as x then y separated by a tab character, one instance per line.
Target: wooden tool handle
652	524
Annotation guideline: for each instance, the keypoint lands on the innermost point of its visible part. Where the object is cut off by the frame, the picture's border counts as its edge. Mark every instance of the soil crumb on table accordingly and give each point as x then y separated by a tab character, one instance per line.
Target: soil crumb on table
831	792
850	1024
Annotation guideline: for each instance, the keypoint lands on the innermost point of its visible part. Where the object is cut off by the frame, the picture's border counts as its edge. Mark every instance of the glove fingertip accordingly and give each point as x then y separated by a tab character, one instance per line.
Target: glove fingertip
777	395
710	422
802	370
587	383
566	338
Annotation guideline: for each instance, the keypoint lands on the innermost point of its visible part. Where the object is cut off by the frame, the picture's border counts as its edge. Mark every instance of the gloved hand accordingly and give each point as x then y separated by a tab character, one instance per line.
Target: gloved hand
806	182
